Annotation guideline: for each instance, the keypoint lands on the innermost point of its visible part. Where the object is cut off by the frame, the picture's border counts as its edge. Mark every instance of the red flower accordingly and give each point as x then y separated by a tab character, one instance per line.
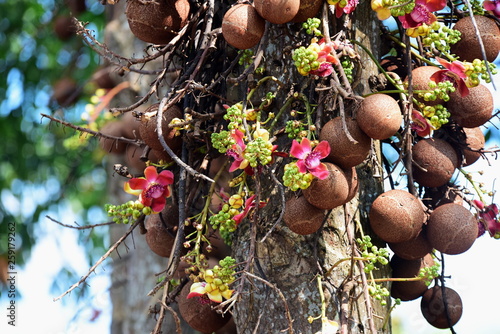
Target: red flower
420	124
488	217
153	189
249	204
454	72
236	151
422	13
309	159
324	70
493	6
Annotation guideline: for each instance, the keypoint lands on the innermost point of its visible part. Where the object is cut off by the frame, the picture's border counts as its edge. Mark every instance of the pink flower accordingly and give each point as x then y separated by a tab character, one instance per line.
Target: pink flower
249	204
153	189
493	6
236	151
420	124
324	70
347	9
309	159
488	217
454	72
422	13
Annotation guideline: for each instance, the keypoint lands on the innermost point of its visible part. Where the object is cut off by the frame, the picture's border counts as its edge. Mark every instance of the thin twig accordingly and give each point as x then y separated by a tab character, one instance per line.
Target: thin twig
86	227
104	257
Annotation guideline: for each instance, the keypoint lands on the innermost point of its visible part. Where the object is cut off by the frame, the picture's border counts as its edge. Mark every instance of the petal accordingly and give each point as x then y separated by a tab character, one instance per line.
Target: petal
238	137
435	5
138	183
227	293
157	204
302	166
462	88
383	14
166	177
215	296
150	173
128	189
300	151
323	148
321	172
197	289
235	165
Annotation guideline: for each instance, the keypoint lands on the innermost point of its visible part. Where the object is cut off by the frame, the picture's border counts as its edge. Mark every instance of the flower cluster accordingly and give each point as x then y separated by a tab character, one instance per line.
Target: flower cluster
215	282
343	6
152	189
299	174
124	213
316	59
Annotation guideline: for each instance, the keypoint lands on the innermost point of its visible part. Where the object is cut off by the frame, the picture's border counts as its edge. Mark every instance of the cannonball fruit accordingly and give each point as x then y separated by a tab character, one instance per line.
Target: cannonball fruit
114	129
301	217
409	290
474	142
148	133
307	9
452	229
242	27
433	307
65	92
467	48
344	152
161	230
277	11
434	162
157	21
198	312
379	116
396	216
414	248
472	110
328	193
421	76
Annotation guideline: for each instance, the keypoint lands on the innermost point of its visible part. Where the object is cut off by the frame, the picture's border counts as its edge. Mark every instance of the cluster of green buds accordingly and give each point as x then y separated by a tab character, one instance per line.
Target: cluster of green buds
245	57
127	212
294	179
436	35
312	26
477	7
348	66
372	253
428	274
316	58
234	114
477	70
437	115
295	129
306	59
379	292
259	150
223	220
222	141
214	283
181	124
399	7
438	90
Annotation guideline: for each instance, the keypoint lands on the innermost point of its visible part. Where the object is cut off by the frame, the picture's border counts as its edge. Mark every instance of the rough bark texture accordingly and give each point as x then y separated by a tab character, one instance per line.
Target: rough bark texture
288	261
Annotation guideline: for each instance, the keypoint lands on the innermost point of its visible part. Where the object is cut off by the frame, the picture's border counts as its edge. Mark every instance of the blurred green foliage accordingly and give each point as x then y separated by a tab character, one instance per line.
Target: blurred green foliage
38	173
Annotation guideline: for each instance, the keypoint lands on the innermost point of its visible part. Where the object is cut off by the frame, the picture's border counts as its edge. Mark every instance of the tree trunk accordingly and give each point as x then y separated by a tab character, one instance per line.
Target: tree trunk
281	291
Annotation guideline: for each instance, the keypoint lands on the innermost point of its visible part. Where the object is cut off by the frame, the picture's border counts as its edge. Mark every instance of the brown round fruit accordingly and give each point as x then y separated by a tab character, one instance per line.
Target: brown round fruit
379	116
474	141
409	290
277	11
352	180
472	110
64	27
157	21
65	92
301	217
396	216
343	151
108	145
468	48
421	76
433	307
147	128
198	313
328	193
434	162
412	249
452	229
242	27
161	230
307	9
